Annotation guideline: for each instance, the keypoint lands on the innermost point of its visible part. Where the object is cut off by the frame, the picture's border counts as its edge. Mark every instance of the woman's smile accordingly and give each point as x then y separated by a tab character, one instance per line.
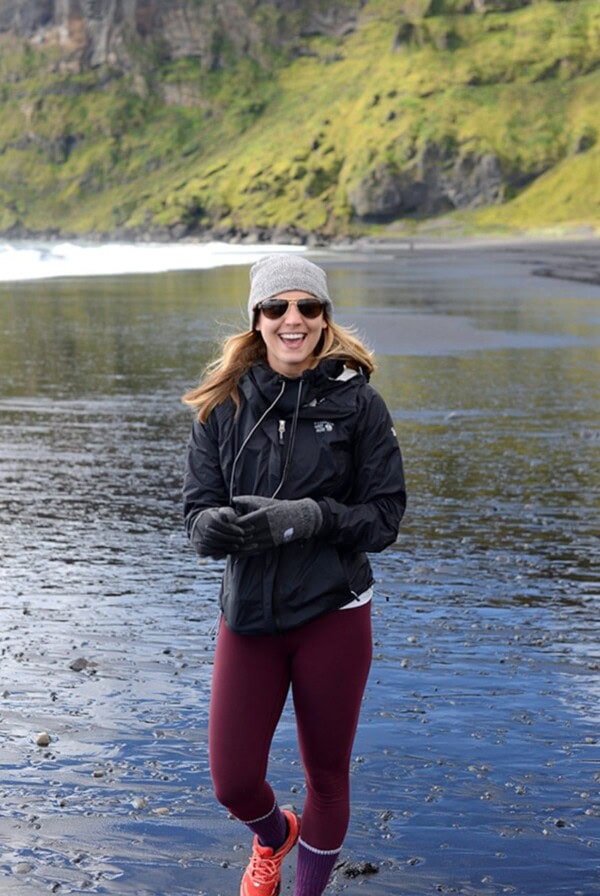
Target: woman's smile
292	340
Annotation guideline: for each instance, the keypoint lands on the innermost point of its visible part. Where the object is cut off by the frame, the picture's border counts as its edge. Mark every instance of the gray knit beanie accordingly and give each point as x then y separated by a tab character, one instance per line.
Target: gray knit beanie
280	273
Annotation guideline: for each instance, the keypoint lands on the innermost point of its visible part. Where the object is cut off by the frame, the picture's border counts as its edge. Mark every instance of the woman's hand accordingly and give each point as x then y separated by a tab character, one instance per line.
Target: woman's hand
268	522
214	532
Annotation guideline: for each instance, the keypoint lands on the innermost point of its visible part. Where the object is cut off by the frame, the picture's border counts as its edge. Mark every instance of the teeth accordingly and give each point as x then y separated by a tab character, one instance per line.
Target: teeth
294	336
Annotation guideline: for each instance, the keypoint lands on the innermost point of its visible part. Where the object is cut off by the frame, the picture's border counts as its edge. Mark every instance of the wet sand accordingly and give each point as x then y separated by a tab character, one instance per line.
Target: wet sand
476	759
576	259
475	770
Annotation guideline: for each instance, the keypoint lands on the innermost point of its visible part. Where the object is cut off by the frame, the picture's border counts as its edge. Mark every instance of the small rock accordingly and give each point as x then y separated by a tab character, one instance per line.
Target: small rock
23	868
355	869
43	739
79	664
139	802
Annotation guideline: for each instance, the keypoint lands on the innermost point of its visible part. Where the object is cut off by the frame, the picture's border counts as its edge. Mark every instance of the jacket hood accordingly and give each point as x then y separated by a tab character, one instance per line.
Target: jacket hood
262	382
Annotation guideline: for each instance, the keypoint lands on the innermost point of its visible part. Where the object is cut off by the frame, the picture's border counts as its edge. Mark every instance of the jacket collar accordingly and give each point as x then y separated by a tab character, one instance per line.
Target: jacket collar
261	385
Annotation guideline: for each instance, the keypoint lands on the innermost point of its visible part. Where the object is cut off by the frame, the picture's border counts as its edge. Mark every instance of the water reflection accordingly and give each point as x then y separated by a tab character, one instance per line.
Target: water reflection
481	703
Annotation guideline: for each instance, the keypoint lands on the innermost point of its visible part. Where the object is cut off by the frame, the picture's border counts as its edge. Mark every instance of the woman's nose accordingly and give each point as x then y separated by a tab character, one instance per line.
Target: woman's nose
292	315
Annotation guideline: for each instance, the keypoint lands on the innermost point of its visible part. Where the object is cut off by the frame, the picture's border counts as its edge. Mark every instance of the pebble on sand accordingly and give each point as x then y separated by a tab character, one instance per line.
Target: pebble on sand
43	739
355	869
23	868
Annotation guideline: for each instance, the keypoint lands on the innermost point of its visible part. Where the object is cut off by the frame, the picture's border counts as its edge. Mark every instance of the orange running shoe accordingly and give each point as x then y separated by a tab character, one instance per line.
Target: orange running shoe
262	877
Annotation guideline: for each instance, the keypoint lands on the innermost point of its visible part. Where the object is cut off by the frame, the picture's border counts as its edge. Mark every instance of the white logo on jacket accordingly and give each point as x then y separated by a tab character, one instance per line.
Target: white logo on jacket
323	426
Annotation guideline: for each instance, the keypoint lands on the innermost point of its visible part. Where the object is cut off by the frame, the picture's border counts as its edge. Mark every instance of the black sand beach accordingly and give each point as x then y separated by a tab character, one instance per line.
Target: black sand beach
475	770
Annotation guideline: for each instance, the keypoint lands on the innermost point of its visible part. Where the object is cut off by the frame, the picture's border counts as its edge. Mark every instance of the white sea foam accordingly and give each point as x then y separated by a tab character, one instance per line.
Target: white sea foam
33	260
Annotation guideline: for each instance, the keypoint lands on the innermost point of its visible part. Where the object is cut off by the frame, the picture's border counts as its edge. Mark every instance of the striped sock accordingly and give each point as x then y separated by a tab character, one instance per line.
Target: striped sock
271	829
313	869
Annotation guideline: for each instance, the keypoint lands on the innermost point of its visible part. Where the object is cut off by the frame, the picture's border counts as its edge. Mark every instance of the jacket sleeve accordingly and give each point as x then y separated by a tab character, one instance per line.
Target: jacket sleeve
203	483
371	518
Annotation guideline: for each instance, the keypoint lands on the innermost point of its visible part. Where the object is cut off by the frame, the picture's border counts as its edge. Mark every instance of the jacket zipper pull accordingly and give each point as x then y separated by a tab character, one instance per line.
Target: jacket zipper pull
281	431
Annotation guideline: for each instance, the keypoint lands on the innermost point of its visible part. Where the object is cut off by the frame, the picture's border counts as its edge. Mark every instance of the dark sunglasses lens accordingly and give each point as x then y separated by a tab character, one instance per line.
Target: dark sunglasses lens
274	308
310	307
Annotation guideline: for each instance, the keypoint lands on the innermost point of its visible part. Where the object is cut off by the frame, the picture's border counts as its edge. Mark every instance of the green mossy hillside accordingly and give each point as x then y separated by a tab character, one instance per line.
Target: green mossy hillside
427	114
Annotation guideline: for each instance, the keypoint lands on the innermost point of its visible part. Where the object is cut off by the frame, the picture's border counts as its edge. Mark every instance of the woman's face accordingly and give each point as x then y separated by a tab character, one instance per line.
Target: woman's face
291	340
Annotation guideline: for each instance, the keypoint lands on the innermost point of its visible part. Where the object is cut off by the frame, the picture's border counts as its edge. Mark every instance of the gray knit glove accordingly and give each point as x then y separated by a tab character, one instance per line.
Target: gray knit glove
268	522
214	532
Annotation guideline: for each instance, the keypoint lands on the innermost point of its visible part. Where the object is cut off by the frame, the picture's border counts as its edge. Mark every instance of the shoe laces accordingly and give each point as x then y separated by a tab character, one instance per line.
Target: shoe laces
263	870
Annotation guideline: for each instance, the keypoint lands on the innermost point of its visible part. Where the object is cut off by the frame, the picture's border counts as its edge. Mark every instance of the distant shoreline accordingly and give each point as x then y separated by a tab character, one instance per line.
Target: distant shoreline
292	236
571	256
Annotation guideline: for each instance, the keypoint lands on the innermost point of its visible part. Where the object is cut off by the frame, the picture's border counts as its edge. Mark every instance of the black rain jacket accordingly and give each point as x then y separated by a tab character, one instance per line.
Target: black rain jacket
326	435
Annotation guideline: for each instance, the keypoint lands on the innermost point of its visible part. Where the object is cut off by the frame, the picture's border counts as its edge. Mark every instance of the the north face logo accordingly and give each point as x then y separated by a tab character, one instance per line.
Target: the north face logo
323	426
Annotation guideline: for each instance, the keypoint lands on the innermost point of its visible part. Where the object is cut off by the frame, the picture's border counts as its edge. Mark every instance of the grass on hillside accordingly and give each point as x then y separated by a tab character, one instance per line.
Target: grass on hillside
287	144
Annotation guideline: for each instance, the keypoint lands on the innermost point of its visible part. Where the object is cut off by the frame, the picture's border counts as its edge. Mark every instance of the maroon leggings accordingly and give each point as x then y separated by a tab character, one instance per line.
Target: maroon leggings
326	662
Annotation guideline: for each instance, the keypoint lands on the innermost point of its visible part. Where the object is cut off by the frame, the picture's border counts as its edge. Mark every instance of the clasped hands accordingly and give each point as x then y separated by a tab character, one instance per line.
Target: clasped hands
254	524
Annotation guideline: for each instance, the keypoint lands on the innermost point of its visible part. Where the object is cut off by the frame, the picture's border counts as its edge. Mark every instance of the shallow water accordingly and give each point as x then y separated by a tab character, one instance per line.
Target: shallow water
476	768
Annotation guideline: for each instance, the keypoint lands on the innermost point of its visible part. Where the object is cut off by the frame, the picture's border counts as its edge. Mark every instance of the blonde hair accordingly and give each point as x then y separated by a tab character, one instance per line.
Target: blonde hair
242	351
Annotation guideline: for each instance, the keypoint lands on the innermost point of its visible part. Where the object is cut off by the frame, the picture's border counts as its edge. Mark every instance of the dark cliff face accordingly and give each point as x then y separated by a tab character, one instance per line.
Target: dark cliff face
98	32
26	17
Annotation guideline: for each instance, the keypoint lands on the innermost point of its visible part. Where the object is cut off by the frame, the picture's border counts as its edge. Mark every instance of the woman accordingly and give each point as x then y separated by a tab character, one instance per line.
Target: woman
293	473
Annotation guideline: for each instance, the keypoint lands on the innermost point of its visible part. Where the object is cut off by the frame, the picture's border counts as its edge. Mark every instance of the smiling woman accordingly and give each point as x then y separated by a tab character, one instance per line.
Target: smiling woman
293	474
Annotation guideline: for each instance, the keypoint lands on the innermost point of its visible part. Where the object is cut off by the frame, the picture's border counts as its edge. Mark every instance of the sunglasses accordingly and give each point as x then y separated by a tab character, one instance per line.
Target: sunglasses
276	308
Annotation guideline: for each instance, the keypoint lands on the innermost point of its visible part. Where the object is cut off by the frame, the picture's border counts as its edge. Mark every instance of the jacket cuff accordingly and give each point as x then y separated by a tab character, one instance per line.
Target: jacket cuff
327	524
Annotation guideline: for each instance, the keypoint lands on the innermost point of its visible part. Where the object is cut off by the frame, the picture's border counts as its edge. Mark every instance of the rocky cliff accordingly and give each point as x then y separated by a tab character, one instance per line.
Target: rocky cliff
93	33
289	118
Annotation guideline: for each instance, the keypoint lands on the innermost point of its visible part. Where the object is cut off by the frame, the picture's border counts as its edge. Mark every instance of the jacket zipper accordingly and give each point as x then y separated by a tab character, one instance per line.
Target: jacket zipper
276	598
281	433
